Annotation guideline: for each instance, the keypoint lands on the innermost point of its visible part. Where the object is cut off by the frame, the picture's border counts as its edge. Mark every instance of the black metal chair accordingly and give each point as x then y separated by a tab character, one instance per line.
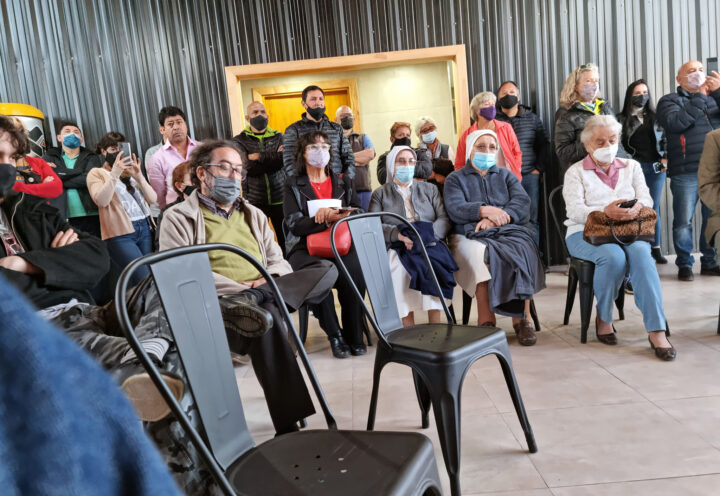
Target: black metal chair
718	329
438	354
314	462
467	308
581	272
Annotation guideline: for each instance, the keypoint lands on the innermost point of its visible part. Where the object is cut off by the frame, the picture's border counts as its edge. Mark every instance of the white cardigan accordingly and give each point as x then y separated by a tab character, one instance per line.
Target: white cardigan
584	192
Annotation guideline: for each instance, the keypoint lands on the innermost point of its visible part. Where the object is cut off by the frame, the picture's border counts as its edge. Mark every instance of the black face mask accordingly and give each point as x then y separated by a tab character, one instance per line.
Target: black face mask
347	123
259	122
187	190
316	113
401	142
110	158
7	179
640	100
508	101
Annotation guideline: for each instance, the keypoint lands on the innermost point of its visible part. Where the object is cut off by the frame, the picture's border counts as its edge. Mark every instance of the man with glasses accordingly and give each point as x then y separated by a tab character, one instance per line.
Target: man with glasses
216	213
176	149
314	119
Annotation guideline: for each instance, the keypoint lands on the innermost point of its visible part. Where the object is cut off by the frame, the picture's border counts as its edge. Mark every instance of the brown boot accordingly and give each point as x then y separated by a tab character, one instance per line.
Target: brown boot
525	333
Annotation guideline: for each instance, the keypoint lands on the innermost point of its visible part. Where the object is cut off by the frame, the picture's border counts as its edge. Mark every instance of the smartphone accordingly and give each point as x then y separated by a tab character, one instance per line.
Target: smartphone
124	147
342	210
711	65
658	167
628	204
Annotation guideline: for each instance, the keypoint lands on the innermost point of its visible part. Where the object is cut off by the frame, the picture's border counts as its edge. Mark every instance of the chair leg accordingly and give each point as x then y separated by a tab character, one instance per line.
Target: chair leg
718	329
534	315
620	303
445	391
423	396
503	355
570	299
303	317
586	301
366	331
380	362
467	307
667	329
452	313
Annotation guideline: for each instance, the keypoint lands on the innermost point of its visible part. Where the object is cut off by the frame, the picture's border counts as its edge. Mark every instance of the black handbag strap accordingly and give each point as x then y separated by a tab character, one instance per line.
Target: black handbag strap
617	240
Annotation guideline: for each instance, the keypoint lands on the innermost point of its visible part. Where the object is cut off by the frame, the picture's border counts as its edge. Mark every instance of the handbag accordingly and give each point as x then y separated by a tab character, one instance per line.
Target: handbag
601	229
318	244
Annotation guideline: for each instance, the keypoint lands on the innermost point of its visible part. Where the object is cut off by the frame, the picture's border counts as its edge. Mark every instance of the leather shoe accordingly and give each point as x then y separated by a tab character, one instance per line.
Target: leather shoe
658	256
714	271
525	333
338	346
139	388
664	354
609	339
685	274
358	349
242	315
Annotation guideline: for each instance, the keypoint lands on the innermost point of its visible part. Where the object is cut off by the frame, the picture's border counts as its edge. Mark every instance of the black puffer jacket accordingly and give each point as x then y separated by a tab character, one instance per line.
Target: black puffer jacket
423	165
569	123
530	135
75	178
67	272
342	156
298	224
687	118
265	178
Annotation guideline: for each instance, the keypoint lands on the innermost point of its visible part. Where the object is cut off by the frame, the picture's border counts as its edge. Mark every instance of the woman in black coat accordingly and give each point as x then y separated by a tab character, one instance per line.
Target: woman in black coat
314	180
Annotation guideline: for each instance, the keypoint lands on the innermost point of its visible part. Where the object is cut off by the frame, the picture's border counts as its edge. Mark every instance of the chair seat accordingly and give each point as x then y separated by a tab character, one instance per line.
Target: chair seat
445	342
319	462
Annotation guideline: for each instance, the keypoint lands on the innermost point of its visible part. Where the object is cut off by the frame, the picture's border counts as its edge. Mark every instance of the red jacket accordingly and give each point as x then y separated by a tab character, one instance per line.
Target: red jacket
508	143
49	189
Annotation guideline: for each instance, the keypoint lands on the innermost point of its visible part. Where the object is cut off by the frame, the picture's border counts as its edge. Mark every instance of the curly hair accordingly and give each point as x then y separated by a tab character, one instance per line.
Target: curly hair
16	134
302	143
201	156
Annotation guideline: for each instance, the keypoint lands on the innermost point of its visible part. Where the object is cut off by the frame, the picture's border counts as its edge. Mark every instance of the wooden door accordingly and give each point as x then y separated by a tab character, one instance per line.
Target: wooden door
285	108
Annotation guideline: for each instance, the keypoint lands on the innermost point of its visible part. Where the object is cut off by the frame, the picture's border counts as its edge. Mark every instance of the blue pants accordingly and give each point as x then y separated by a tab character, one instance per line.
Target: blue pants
128	247
364	197
611	263
655	183
531	183
684	188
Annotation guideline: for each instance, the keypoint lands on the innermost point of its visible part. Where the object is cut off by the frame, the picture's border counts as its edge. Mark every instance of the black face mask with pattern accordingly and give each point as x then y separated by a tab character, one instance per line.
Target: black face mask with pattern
7	179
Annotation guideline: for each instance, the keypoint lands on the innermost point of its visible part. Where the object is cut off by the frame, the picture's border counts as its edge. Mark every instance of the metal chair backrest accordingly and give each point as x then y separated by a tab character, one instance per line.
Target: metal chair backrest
184	282
556	202
369	244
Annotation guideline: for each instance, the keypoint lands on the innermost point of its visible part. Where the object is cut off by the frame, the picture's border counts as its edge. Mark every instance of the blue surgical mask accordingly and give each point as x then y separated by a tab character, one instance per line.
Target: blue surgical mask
429	138
483	161
405	173
71	141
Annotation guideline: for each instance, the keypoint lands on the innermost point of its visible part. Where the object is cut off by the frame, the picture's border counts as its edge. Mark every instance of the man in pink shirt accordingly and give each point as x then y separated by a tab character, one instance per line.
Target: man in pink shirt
176	149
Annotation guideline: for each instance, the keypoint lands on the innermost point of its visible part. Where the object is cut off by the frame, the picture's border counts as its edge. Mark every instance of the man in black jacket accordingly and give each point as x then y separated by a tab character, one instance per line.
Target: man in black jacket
314	119
264	175
72	162
533	143
687	116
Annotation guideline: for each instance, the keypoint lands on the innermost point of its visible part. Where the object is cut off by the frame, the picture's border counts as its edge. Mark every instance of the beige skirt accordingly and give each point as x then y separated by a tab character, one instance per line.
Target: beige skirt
470	257
409	300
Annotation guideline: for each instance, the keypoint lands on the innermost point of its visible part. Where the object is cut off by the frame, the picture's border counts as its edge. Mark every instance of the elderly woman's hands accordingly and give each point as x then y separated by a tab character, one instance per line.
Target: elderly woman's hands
499	216
484	224
615	212
408	242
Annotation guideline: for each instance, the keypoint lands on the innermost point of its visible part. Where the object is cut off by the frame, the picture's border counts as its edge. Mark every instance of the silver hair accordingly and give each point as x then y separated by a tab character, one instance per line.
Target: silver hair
481	98
421	122
598	121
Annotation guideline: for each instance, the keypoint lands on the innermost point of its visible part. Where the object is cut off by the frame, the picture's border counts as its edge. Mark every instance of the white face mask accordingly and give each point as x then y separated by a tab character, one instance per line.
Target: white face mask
606	155
696	79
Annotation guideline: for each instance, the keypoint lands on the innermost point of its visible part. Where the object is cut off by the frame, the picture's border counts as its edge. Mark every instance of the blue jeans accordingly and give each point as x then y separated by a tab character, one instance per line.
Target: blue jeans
531	183
128	247
364	197
655	183
684	188
611	263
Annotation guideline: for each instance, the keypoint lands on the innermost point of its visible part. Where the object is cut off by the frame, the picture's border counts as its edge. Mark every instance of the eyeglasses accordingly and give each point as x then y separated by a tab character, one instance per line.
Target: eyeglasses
325	148
404	161
227	169
589	65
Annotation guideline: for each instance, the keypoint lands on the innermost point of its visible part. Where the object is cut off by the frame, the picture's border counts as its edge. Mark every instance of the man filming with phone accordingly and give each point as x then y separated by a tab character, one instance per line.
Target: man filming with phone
687	116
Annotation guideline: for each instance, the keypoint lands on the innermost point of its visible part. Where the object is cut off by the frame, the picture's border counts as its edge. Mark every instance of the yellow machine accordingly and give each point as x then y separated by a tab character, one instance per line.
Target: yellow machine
32	119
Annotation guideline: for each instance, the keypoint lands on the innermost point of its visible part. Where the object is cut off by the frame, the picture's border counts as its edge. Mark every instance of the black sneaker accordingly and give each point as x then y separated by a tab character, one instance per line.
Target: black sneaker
685	274
714	271
628	287
142	393
242	315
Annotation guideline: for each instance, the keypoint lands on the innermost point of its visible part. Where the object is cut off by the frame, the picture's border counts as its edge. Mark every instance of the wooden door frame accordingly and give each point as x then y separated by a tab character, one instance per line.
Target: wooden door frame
333	84
453	53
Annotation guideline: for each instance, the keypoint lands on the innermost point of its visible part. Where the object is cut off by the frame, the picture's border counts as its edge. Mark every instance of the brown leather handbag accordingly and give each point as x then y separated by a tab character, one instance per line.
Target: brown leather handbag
601	229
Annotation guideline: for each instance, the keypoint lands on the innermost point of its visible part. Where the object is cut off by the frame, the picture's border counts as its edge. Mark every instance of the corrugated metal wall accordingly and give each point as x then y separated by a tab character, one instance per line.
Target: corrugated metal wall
112	64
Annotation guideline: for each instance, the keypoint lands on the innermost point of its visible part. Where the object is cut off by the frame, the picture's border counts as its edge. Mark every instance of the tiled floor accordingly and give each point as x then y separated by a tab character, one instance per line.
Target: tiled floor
607	420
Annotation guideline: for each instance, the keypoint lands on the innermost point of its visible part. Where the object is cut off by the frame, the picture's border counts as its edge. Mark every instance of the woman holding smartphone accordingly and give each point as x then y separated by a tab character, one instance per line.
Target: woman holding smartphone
122	195
644	140
315	180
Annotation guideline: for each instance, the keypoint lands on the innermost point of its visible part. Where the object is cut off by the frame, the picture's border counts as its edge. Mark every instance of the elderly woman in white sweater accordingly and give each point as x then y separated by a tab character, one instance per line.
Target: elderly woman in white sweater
601	182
